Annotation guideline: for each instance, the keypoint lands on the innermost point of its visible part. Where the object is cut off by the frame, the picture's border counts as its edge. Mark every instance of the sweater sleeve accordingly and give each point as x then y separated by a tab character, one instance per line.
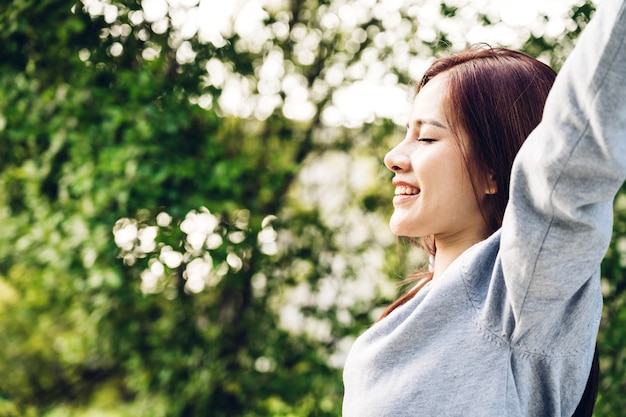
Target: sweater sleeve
558	223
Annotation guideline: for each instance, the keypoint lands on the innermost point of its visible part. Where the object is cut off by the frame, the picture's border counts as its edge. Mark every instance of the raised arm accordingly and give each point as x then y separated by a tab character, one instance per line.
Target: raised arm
558	223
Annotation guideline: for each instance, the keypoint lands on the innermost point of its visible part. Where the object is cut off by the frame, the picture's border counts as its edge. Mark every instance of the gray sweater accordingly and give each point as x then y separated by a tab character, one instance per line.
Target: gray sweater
509	329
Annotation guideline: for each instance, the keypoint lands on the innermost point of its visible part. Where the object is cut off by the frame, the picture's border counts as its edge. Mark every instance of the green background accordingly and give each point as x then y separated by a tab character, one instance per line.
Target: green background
105	137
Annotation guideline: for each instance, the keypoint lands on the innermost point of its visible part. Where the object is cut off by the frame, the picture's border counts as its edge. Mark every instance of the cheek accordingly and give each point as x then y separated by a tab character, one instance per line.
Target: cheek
447	168
427	163
453	182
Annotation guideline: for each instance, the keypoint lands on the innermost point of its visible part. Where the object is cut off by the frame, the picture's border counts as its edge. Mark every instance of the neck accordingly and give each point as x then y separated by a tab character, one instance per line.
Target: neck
450	248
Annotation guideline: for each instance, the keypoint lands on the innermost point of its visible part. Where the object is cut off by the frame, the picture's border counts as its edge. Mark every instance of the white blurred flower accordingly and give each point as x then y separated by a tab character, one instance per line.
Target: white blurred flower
203	222
203	270
214	241
149	282
125	233
267	240
154	10
264	364
147	238
156	268
171	258
236	237
163	219
269	248
338	357
234	261
196	240
267	235
259	284
198	226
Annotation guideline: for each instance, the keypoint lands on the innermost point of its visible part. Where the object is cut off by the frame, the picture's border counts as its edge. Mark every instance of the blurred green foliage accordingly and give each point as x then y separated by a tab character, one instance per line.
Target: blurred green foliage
111	141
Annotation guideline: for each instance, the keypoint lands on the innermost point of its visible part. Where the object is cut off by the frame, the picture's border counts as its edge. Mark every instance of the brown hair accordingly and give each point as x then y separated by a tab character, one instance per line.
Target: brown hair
497	97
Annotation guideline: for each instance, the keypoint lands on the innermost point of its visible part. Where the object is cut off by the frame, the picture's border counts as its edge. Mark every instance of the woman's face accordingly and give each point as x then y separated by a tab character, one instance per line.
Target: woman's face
434	194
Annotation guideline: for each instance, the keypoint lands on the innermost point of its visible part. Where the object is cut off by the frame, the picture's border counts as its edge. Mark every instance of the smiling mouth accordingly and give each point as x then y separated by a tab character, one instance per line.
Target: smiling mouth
406	190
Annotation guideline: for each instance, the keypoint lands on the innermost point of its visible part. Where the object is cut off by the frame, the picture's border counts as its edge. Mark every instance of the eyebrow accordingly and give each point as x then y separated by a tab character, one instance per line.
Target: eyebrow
433	122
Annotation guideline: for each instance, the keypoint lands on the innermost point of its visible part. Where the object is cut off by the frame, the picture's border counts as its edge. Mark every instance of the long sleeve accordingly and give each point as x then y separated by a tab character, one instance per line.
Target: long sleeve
558	223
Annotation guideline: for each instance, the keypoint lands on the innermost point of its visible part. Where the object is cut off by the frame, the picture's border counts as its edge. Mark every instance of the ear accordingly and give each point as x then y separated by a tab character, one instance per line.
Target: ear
491	187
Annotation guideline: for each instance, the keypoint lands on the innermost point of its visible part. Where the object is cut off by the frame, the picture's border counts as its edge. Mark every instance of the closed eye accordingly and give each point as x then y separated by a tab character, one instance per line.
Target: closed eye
427	140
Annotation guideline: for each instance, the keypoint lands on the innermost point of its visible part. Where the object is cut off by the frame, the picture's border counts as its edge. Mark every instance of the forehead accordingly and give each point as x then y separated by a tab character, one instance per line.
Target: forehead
431	104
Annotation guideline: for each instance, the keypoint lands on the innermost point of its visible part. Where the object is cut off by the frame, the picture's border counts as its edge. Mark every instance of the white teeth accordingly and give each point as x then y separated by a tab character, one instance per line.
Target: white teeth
406	190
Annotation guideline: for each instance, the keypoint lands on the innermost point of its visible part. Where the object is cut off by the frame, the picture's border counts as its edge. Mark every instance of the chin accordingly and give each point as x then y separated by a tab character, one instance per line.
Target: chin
395	228
399	229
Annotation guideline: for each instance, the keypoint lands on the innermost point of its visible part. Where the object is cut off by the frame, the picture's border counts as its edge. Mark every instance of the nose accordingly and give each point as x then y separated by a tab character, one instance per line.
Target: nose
396	160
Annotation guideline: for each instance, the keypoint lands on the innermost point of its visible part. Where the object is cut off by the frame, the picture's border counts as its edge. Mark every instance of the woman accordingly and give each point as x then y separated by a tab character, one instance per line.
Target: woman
505	323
